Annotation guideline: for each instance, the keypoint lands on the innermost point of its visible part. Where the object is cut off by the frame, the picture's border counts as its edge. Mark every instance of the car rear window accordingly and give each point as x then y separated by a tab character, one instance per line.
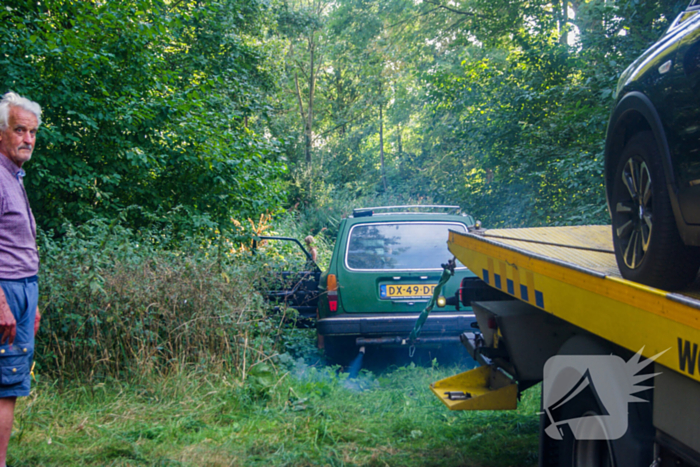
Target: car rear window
400	245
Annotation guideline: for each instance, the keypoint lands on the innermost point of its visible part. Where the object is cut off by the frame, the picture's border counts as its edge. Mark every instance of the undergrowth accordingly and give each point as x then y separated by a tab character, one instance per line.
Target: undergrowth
117	304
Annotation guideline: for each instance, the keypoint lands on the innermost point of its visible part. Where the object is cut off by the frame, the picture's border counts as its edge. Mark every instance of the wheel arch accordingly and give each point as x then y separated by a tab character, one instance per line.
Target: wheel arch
588	344
633	114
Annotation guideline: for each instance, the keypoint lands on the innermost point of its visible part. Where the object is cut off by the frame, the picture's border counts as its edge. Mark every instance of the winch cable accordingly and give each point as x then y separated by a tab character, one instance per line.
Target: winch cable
448	270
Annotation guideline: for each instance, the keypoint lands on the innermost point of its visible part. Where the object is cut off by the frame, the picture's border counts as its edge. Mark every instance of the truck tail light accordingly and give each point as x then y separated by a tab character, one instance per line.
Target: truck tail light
332	285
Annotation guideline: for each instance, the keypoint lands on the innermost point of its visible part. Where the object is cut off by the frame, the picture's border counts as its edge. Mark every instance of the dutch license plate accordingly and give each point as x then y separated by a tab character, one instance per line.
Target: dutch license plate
391	291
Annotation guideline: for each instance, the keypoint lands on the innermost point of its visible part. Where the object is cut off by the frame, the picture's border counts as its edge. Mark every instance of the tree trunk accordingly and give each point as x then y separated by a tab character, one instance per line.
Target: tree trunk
340	102
400	149
563	22
381	145
302	113
310	105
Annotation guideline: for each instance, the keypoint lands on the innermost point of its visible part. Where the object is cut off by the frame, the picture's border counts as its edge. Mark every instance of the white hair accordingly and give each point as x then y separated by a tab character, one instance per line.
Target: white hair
11	99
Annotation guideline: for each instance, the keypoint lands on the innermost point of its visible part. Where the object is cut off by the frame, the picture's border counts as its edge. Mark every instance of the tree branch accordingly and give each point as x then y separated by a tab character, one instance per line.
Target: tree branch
453	10
296	84
410	18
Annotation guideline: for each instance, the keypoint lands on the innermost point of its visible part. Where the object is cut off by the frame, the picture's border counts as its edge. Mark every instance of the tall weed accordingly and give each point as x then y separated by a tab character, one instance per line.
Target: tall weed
115	303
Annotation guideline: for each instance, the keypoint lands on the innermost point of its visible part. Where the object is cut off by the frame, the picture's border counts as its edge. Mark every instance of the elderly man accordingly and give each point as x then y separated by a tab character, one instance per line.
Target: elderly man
19	262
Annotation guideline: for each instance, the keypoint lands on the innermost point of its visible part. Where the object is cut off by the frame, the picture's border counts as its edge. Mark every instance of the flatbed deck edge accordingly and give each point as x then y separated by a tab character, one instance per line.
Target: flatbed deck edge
624	312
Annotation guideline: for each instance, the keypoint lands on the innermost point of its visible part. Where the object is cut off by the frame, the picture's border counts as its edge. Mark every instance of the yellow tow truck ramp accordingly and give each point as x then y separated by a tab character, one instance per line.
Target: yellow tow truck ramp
562	285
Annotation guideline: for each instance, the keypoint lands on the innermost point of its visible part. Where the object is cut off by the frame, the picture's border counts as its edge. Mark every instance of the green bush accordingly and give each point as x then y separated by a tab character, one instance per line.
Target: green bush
115	303
152	106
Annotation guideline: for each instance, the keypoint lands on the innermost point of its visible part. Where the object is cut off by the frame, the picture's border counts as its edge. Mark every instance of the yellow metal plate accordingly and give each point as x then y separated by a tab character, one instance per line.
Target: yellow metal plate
488	389
583	287
587	246
588	237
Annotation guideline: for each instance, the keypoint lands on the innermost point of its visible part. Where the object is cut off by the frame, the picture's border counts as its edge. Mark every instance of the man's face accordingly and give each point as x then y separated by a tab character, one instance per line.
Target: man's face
17	140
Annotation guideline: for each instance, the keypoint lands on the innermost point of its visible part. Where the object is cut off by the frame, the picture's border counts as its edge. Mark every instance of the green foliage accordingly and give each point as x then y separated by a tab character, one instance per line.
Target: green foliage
300	345
116	304
261	379
527	119
179	116
152	106
499	106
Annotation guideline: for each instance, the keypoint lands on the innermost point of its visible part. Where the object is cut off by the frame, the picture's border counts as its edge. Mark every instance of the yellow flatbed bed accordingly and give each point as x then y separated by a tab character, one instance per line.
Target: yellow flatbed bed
571	273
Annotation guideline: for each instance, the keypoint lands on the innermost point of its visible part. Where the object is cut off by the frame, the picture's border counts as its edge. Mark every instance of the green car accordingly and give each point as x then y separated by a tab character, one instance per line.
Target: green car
383	271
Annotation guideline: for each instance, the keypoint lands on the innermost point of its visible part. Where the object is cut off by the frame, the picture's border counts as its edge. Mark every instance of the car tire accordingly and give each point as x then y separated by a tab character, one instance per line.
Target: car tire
633	449
583	453
648	247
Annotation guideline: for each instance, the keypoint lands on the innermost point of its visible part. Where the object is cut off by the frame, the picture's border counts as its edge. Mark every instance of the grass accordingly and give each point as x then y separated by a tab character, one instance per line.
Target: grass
303	416
166	358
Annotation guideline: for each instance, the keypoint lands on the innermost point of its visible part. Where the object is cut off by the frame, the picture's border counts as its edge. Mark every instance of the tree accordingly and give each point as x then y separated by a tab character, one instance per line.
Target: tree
154	111
302	24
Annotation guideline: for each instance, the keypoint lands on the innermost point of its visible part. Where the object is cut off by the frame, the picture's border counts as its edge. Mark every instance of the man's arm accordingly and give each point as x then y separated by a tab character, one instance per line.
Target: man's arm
8	324
37	320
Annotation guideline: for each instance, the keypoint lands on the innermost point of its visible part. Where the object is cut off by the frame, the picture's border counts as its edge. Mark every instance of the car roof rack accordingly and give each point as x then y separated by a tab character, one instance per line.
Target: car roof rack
405	209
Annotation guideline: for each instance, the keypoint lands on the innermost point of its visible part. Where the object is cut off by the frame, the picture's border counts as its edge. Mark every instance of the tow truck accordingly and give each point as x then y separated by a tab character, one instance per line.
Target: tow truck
568	318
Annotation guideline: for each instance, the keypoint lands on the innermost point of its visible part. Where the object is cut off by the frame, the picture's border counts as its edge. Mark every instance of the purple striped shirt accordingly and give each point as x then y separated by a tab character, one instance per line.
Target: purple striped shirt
18	256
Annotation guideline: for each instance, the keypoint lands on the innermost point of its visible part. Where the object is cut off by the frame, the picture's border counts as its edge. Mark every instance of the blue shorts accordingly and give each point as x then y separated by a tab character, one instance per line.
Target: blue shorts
16	359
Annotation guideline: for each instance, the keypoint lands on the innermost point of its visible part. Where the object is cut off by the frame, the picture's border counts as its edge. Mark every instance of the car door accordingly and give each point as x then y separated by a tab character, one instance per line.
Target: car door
684	127
294	276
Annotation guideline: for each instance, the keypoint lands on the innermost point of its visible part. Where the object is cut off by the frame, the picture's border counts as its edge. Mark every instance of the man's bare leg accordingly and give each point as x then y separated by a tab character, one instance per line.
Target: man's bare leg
7	415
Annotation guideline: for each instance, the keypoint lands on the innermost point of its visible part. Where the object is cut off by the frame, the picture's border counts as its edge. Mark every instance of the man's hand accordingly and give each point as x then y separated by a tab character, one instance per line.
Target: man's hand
37	320
8	325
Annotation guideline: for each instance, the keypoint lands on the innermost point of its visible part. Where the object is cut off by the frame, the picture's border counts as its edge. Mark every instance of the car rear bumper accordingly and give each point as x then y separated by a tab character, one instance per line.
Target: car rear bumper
367	325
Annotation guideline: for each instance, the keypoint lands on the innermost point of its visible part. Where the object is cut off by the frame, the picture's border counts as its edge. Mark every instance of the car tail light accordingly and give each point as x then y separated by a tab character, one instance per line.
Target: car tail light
332	285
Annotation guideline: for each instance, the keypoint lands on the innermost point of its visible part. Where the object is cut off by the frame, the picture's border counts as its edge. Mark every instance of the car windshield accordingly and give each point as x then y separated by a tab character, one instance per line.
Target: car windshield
400	245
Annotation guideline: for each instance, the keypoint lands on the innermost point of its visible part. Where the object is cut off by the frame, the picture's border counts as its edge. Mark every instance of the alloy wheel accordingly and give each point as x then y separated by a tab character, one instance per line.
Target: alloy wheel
634	210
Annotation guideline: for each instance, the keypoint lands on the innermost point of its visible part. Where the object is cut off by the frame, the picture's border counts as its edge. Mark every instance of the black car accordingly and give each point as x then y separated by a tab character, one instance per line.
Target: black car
652	160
